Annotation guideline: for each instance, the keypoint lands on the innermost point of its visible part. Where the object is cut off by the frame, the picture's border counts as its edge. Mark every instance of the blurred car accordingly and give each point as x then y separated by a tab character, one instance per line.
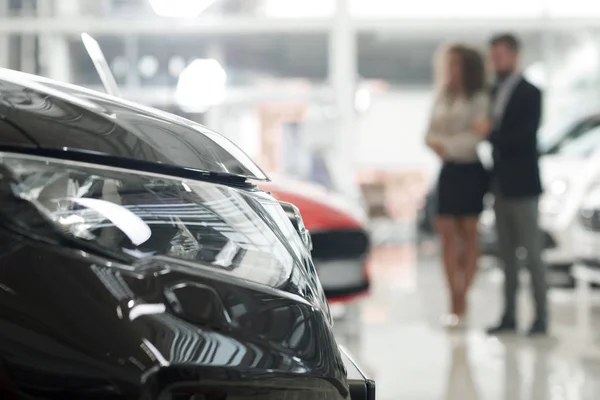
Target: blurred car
141	261
586	237
569	168
338	231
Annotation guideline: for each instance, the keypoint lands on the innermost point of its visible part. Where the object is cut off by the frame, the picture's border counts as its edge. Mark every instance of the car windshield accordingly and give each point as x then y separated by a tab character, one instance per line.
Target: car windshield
579	142
551	134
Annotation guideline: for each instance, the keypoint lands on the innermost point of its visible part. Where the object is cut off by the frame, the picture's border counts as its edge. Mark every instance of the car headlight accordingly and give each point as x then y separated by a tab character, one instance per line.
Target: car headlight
589	209
295	218
139	215
553	197
558	187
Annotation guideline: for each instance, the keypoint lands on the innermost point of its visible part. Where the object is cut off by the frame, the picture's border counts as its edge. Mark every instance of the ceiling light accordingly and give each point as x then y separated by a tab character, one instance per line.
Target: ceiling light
148	66
201	85
120	66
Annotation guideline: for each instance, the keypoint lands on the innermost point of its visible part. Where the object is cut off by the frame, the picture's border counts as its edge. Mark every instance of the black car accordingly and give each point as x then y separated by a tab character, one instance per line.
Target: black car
140	261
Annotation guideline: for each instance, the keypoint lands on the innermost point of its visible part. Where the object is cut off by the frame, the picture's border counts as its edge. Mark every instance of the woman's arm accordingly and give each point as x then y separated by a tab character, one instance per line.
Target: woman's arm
433	139
464	143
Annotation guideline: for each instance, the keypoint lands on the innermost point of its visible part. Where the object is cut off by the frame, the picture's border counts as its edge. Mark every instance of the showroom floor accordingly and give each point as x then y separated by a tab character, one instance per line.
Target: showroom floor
403	346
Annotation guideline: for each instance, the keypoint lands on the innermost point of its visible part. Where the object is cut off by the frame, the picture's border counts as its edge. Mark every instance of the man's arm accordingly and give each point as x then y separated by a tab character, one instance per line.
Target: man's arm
522	133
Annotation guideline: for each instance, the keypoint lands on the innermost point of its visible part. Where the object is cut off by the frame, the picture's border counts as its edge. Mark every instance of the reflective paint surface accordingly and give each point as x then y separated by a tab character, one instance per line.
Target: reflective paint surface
73	325
82	323
51	115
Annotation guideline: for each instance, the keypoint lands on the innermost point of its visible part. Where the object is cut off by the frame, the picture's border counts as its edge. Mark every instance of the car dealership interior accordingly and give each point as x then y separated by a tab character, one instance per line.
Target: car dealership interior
294	200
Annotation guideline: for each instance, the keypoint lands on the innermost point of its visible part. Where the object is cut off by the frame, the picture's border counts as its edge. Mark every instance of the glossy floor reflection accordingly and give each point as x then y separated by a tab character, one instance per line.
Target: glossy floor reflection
401	343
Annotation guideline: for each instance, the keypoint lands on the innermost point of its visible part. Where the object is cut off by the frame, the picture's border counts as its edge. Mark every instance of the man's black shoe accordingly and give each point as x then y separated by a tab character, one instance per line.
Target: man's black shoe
538	329
504	327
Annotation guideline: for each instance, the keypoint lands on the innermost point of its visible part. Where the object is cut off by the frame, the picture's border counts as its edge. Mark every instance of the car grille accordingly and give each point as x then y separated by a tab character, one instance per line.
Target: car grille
589	262
340	244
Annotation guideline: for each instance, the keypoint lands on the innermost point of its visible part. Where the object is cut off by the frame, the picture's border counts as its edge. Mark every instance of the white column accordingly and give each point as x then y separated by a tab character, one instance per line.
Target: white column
213	118
4	39
55	57
132	55
28	60
343	70
548	59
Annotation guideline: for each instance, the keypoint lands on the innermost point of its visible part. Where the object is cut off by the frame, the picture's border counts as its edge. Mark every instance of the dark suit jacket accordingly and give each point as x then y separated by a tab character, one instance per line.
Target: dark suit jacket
514	142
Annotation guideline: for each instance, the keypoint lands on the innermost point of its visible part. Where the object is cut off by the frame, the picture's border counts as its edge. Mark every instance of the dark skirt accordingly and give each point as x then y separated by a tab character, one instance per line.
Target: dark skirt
461	188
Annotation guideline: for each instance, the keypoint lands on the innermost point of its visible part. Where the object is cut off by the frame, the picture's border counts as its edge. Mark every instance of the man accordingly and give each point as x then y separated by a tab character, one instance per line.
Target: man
516	113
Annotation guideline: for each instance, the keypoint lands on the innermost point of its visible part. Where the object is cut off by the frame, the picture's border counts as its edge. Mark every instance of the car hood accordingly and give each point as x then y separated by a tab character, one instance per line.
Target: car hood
40	113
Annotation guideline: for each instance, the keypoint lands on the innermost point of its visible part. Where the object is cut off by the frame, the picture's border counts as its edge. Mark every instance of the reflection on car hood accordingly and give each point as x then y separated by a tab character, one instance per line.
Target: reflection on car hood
49	115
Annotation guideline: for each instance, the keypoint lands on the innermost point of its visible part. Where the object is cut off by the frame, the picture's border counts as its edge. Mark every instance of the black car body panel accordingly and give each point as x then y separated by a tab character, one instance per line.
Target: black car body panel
83	327
89	310
41	114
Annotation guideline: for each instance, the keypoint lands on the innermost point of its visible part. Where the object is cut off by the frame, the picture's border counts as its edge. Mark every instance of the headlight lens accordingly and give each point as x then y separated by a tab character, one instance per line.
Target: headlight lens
295	217
558	187
553	198
589	212
146	215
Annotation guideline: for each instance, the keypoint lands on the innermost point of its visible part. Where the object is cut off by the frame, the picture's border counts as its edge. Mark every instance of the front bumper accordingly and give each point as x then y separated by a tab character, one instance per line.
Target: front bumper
340	258
558	244
342	278
361	386
587	247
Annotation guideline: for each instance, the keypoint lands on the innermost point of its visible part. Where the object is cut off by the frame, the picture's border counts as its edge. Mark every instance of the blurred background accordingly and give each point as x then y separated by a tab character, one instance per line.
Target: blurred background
349	79
336	94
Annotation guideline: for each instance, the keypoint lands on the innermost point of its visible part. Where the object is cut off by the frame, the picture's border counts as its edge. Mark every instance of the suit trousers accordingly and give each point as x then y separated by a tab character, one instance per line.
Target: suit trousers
518	228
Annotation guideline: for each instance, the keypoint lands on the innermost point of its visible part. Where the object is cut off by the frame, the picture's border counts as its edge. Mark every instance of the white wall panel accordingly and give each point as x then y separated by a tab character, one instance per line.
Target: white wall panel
392	133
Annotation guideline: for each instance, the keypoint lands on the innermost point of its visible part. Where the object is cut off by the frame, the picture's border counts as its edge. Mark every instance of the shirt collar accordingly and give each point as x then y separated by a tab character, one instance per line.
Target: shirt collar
508	78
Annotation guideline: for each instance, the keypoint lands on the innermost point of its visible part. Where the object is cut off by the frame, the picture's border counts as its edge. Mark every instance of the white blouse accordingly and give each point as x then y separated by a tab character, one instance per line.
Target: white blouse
451	125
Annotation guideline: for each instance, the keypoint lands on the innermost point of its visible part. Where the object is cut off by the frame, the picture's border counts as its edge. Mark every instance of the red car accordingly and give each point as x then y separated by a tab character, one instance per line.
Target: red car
339	235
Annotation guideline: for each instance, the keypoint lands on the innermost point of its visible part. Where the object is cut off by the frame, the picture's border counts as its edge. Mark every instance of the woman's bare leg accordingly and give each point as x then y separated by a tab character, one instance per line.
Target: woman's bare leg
467	227
447	231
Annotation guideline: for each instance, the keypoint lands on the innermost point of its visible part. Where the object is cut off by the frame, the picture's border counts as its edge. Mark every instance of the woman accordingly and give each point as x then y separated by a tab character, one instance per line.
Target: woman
458	123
